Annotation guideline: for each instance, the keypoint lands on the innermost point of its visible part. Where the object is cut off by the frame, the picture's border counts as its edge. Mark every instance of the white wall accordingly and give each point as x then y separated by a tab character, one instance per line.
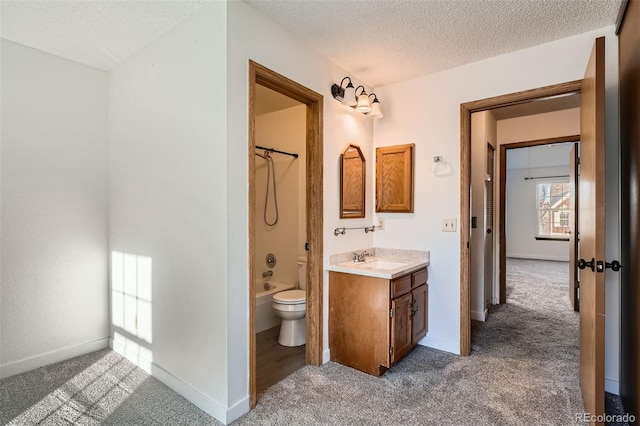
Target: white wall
521	228
539	126
251	35
168	176
426	111
521	213
284	130
54	203
483	132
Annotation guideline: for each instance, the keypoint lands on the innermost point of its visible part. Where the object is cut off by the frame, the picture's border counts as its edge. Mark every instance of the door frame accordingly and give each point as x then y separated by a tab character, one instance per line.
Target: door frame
490	261
466	109
259	74
502	214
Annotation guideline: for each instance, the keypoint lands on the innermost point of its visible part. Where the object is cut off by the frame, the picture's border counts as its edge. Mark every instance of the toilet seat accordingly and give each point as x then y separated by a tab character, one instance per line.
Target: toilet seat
290	297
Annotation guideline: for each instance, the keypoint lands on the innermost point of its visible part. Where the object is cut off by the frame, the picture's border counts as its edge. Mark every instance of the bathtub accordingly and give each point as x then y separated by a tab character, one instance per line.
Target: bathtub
265	317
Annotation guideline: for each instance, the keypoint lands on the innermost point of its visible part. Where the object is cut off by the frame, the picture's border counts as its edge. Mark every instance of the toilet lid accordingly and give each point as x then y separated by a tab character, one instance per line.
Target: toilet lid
290	297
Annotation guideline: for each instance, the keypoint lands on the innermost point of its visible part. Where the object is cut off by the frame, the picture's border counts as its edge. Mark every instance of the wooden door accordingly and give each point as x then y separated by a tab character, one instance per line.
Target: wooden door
592	231
629	45
574	253
419	313
400	327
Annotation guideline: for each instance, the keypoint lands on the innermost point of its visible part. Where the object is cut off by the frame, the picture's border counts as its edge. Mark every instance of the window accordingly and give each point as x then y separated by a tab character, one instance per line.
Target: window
553	209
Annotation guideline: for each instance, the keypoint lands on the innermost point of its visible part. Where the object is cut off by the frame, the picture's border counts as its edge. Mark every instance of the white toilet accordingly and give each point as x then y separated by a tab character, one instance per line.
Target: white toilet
291	306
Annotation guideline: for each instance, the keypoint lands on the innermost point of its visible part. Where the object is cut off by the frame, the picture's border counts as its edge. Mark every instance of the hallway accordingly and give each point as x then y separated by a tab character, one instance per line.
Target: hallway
537	319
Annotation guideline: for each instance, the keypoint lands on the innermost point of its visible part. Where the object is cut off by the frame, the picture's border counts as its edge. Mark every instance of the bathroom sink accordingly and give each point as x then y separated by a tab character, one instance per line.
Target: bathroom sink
385	265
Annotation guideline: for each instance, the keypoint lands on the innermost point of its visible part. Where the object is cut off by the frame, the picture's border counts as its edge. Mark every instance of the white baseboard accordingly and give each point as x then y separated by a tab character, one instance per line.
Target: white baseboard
238	409
52	357
326	356
479	316
612	386
441	344
197	398
539	257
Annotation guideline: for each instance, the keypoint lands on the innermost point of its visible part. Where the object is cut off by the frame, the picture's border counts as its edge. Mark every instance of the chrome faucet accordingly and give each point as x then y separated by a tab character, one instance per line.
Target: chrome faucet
359	257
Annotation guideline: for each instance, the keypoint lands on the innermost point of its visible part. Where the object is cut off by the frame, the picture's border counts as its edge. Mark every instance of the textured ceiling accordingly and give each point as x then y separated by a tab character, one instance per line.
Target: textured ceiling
380	41
101	34
384	41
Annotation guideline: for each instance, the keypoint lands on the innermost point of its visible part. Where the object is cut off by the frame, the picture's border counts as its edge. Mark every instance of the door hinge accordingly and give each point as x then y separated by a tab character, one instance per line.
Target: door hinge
390	350
306	246
391	313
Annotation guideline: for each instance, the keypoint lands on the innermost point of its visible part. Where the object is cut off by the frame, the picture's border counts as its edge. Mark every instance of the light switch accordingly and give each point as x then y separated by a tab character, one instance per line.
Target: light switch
380	224
449	224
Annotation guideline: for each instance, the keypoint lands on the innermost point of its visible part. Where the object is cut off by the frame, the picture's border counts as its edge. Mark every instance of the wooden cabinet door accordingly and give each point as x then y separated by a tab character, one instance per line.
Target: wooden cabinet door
420	313
394	179
400	327
359	321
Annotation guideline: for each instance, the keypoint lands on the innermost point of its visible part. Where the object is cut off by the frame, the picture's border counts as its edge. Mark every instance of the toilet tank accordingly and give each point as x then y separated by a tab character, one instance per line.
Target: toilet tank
302	272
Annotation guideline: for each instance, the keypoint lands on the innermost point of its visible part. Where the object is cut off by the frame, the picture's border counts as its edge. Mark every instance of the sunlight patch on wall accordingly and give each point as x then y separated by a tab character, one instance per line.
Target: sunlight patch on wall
134	352
131	294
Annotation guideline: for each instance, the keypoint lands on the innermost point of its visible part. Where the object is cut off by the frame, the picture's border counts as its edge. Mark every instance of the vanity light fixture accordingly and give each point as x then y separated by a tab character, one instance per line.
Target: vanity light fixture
375	112
347	96
363	101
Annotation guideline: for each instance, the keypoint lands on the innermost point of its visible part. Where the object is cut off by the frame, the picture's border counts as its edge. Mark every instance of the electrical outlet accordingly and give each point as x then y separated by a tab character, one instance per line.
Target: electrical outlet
449	224
380	224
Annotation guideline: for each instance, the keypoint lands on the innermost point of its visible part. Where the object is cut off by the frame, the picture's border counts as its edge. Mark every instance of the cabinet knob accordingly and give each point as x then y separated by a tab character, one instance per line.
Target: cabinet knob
414	308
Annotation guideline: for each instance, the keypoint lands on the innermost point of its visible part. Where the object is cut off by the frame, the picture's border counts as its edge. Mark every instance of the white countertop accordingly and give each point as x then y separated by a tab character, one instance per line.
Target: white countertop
386	266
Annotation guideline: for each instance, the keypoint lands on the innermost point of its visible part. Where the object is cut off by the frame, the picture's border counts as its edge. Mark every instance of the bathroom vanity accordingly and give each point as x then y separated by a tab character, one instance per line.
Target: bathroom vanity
378	311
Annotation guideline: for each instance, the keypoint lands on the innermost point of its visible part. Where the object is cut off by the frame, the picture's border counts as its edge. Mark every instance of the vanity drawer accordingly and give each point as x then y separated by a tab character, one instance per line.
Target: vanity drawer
401	285
418	278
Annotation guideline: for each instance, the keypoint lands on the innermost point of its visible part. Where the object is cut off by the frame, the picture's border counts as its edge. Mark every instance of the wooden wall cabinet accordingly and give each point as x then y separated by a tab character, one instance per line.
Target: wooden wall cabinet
394	179
374	322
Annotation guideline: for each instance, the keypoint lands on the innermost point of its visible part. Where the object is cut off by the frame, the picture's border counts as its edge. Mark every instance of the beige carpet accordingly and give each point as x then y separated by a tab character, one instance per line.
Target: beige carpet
523	371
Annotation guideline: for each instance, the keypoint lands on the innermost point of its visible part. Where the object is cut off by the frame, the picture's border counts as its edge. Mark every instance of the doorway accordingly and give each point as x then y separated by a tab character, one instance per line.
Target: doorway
537	233
592	216
466	110
527	162
266	78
